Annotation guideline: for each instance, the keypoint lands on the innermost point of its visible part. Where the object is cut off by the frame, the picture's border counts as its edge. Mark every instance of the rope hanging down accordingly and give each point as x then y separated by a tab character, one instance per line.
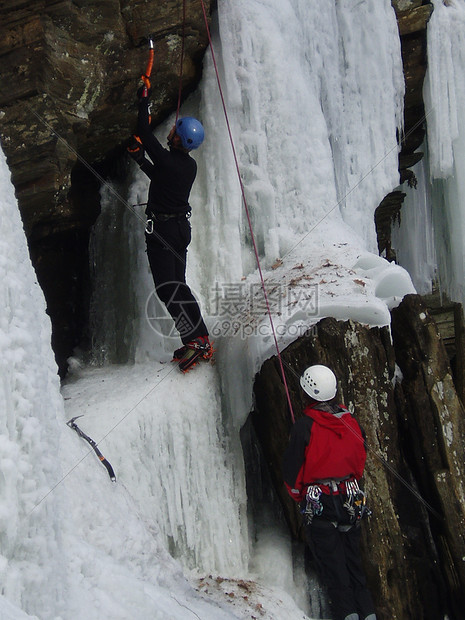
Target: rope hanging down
247	212
181	68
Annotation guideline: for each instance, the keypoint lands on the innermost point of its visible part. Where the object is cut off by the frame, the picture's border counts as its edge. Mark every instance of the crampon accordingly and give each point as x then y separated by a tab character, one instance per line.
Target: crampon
193	352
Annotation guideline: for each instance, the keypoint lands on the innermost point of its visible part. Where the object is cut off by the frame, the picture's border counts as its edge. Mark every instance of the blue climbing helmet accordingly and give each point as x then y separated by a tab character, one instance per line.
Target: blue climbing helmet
191	132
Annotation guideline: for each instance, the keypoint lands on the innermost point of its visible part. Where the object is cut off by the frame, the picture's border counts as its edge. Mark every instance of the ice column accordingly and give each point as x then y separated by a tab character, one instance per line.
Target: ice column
30	403
444	95
314	93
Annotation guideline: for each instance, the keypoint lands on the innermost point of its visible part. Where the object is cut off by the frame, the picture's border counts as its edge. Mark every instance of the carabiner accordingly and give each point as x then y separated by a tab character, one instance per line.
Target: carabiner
149	227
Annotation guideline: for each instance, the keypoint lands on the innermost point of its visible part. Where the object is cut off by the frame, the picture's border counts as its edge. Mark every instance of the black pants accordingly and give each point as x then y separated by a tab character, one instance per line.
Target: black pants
338	560
167	254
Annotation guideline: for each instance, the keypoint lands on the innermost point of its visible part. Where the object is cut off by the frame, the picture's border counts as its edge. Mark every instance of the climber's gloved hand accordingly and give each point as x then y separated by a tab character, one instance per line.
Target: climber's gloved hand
143	92
135	150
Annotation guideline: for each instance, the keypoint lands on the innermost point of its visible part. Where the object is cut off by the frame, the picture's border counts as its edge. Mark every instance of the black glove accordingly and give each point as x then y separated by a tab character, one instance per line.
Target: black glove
143	92
135	150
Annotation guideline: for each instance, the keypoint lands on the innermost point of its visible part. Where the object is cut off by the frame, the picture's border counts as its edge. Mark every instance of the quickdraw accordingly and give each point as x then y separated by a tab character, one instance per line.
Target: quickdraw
312	506
102	459
356	502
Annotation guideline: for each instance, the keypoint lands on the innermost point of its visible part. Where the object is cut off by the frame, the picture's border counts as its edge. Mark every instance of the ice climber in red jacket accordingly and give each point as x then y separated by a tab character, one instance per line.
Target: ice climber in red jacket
322	466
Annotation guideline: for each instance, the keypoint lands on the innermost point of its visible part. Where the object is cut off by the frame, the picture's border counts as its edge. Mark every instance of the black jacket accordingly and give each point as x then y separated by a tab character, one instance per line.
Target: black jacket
172	173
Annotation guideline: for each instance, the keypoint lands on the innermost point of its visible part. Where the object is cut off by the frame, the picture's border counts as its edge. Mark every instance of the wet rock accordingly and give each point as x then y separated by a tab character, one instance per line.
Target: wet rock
69	72
413	542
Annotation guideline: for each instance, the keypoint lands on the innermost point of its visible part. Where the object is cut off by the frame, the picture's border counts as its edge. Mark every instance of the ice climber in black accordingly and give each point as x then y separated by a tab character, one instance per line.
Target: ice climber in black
172	173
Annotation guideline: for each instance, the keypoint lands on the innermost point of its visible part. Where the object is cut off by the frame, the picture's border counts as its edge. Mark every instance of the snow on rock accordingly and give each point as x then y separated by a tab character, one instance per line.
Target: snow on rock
333	279
249	600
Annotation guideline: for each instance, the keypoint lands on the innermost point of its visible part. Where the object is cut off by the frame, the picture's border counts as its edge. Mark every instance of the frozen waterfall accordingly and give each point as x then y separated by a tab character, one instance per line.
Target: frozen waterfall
314	93
433	215
444	95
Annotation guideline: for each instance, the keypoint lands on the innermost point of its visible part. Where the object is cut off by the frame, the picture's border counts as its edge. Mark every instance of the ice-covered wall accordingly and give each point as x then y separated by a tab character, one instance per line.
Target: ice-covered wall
30	404
314	96
314	93
444	95
413	232
72	543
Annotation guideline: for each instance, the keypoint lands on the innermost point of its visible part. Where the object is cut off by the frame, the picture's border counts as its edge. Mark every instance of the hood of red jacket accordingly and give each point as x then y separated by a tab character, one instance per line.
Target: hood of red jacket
332	421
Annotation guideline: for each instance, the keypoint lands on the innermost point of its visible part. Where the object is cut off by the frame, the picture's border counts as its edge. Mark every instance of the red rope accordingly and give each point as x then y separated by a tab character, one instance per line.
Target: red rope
248	214
181	69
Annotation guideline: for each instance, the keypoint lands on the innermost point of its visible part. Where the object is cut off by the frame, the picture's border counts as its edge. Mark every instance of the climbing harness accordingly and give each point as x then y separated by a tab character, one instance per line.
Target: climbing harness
348	490
164	217
71	423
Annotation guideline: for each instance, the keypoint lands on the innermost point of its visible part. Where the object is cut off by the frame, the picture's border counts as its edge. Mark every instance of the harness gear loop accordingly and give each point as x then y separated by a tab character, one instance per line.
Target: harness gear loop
348	489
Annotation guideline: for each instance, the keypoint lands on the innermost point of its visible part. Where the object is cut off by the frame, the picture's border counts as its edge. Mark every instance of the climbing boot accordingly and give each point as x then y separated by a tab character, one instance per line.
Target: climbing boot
179	353
196	350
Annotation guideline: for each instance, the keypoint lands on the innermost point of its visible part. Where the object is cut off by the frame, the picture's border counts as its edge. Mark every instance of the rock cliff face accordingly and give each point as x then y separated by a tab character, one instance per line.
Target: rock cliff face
69	71
403	394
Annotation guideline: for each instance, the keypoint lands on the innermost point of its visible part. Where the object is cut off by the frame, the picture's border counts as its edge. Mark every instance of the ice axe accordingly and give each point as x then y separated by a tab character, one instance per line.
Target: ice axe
71	423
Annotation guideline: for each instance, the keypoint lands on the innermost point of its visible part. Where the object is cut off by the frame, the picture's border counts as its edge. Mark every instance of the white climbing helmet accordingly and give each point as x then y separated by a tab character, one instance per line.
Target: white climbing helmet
319	382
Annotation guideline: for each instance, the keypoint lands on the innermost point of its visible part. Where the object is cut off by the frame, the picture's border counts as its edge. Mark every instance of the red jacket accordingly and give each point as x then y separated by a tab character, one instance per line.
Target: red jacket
323	446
